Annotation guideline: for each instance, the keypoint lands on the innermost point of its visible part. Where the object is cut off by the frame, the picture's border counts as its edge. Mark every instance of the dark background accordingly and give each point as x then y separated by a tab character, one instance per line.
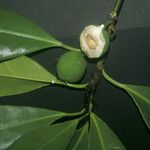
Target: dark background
128	60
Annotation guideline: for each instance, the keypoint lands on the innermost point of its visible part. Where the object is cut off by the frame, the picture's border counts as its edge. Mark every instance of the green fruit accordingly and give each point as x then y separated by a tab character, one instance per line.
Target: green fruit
71	66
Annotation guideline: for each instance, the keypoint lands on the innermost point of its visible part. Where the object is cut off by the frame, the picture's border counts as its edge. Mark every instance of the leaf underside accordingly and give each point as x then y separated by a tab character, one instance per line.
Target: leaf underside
20	36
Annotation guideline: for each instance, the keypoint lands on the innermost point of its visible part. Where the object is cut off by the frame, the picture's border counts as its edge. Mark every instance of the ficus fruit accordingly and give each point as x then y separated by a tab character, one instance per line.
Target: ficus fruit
94	41
71	66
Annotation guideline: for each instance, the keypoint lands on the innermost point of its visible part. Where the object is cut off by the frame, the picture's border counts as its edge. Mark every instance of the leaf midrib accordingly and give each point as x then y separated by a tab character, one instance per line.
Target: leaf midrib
25	78
25	35
40	148
98	131
137	94
28	79
32	120
79	139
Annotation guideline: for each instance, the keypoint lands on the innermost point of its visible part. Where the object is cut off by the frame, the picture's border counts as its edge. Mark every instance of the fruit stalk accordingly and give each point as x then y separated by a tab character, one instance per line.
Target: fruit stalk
97	74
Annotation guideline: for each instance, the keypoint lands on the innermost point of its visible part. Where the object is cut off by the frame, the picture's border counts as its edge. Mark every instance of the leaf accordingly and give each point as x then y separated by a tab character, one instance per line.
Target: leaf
20	36
80	139
51	137
17	121
102	137
140	95
31	128
22	75
98	137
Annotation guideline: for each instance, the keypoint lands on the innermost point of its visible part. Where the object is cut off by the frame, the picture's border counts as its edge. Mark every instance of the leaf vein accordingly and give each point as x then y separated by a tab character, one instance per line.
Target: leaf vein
99	134
79	139
40	148
138	95
24	35
31	121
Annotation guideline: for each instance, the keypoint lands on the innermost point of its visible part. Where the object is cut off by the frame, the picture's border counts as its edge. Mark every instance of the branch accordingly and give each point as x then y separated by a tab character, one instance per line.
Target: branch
117	7
97	74
113	18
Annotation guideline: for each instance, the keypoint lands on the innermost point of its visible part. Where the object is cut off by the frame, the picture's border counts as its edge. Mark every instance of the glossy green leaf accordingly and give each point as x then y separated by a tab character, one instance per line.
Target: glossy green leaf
80	139
98	137
102	137
51	137
23	74
140	95
20	36
17	121
31	128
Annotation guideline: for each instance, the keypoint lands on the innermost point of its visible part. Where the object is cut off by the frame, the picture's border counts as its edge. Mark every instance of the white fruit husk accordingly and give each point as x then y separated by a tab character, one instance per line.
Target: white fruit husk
92	41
